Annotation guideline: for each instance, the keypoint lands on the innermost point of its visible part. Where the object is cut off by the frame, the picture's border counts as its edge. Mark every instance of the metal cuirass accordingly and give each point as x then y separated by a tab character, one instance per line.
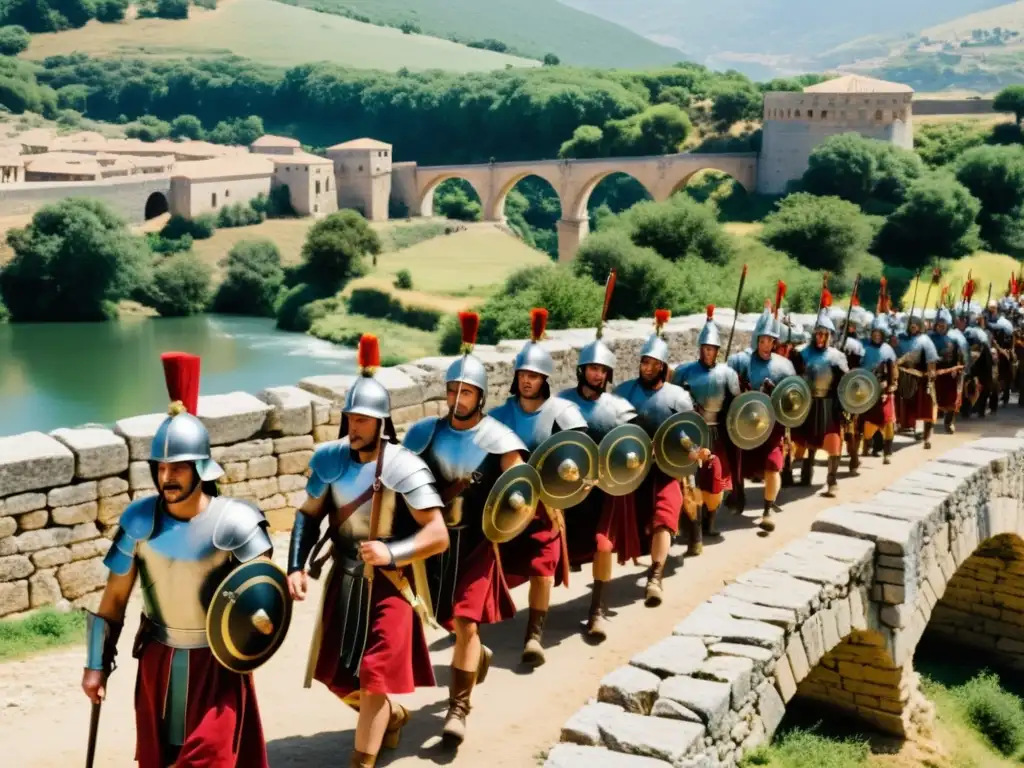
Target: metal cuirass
556	415
917	350
875	355
709	387
819	368
945	346
755	370
962	344
653	406
602	415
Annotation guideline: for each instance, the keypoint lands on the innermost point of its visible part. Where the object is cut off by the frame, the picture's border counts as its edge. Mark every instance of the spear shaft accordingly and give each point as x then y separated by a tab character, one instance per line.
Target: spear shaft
736	311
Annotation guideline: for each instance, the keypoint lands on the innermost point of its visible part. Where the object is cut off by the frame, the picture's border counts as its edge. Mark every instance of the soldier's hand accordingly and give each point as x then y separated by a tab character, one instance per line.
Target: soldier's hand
375	553
298	585
703	454
92	684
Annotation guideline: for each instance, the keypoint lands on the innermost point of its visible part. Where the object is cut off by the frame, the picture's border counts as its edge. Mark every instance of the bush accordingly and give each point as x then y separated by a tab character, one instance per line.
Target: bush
291	306
180	286
995	176
5	315
13	40
69	118
279	203
172	9
942	143
253	280
73	97
454	199
238	215
997	714
335	247
371	302
403	280
148	128
842	166
160	244
677	228
200	228
111	11
819	232
186	127
409	235
399	343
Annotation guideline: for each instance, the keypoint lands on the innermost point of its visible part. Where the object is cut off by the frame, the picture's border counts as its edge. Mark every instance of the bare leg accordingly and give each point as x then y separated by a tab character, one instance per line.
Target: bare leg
660	543
374	713
602	575
540	598
772	484
540	592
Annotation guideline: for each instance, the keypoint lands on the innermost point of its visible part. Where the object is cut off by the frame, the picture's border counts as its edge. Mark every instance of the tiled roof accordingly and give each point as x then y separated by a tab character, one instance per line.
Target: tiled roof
858	84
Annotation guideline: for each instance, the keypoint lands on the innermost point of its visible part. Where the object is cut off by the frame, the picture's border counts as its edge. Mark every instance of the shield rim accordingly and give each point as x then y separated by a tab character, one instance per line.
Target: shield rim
586	484
218	600
679	471
777	395
858	373
621	432
743	398
518	473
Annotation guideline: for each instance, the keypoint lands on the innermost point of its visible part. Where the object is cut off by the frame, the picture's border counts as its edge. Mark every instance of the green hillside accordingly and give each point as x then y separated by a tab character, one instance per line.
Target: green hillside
530	27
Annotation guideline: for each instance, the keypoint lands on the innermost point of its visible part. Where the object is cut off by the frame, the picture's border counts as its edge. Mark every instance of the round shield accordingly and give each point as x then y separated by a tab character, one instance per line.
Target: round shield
750	420
858	391
677	437
567	465
249	615
511	504
791	401
624	459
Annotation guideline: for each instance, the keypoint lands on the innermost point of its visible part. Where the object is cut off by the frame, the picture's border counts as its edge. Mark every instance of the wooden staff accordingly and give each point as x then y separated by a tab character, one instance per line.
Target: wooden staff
849	312
736	310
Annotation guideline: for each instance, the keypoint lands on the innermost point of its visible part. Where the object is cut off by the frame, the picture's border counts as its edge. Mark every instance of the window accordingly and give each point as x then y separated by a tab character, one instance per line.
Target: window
878	115
318	186
824	114
327	184
810	114
360	169
213	200
797	113
227	193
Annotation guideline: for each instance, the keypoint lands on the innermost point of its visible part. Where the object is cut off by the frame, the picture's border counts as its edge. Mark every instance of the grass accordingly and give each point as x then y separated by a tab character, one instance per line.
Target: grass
44	629
808	749
984	267
273	33
345	329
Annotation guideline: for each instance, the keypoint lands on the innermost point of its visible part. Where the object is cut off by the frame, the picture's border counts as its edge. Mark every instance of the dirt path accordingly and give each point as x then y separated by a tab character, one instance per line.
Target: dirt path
517	715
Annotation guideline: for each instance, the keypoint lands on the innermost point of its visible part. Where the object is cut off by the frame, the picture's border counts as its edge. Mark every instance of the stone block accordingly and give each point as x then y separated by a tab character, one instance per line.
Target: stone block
431	382
631	688
250	449
289	483
110	508
325	433
8	546
813	638
294	443
657	737
843	625
797	657
818	569
295	498
138	433
760	656
50	558
736	671
774	589
33	460
136	495
707	698
770	707
829	628
277	501
13	597
32	521
263	487
731	630
264	466
22	503
80	513
581	728
70	495
140	476
901	536
8	525
970	456
291	410
294	463
578	756
112	486
673	710
784	680
233	417
15	567
81	577
672	656
236	472
43	589
84	550
280	519
98	451
741	609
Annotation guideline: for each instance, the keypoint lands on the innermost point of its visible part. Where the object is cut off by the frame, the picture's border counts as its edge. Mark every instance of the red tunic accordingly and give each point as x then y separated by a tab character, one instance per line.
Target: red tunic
481	592
768	457
222	720
715	474
881	413
659	502
603	523
919	407
537	551
824	420
948	392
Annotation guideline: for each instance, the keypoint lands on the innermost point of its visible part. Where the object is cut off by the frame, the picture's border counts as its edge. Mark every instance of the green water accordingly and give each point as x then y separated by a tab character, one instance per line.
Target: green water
67	374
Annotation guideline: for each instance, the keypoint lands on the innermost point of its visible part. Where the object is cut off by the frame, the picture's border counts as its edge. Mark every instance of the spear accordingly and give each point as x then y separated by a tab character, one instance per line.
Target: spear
736	310
849	312
913	301
936	276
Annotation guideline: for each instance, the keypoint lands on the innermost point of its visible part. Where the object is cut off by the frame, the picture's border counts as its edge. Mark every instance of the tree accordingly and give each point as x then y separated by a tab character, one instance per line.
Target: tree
550	60
843	166
735	101
937	221
253	280
13	40
111	11
172	9
186	127
72	262
335	246
995	176
658	130
180	286
587	142
455	199
1011	99
73	97
898	168
819	232
677	228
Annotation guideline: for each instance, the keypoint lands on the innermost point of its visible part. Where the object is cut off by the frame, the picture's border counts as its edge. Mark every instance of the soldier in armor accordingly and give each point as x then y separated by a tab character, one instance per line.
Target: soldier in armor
916	359
979	366
1001	333
824	366
948	378
383	515
659	499
880	359
539	555
853	348
712	385
602	525
761	369
467	452
180	544
791	336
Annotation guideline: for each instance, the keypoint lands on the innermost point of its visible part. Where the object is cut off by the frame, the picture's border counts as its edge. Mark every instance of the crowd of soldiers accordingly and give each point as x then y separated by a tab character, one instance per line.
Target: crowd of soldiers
435	530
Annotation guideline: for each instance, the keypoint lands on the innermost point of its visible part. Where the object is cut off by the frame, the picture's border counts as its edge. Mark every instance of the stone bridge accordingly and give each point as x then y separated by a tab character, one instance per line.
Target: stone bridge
572	180
834	617
135	199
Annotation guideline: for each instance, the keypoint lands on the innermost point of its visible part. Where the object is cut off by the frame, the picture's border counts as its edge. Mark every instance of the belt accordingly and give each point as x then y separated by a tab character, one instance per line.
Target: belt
185	639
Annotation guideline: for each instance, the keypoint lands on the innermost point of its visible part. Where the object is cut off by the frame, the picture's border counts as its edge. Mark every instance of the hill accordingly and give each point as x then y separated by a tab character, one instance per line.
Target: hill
272	33
529	27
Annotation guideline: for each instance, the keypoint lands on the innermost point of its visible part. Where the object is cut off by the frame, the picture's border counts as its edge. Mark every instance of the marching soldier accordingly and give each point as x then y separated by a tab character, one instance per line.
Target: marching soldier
539	555
467	452
917	360
190	707
660	498
760	369
712	385
1001	333
823	366
948	379
880	359
384	515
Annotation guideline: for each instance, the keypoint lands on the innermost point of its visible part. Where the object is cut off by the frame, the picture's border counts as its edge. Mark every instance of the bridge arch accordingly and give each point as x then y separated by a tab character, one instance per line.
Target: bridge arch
425	203
681	183
496	210
156	205
577	210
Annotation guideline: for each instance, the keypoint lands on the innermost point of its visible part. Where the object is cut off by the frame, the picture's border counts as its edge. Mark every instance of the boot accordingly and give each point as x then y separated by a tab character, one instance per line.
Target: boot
459	691
737	500
854	462
831	482
484	665
766	523
694	537
533	651
877	444
652	597
787	473
399	717
710	529
950	422
596	628
928	427
362	760
865	446
807	470
887	452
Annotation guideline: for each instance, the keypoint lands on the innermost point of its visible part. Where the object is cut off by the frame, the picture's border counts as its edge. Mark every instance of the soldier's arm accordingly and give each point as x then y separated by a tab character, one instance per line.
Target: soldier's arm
511	459
308	518
430	539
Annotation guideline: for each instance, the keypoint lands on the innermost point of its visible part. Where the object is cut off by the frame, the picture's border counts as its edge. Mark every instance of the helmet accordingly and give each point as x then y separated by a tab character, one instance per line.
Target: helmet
824	322
766	325
468	369
182	436
368	397
943	316
880	323
655	347
596	353
533	357
709	333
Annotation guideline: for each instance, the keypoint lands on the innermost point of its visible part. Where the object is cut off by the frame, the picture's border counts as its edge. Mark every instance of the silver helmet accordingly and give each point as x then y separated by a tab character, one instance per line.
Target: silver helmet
596	353
881	323
824	322
656	347
367	397
944	316
182	436
533	357
709	333
468	369
766	325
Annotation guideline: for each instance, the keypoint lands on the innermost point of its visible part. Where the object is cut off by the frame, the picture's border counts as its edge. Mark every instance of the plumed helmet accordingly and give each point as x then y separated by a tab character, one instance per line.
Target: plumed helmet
468	369
596	353
656	347
367	396
943	316
766	325
880	323
709	333
824	322
182	436
533	357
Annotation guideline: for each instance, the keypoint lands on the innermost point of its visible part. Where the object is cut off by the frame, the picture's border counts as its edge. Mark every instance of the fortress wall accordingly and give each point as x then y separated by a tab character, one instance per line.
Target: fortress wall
61	494
126	197
953	106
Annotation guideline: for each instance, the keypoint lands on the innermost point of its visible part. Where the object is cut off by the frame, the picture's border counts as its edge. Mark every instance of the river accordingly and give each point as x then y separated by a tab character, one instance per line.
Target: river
67	374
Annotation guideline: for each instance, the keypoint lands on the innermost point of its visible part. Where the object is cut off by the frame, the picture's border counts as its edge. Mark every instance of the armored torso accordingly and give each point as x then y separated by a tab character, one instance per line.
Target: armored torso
602	415
754	370
819	368
946	347
653	406
709	387
556	415
962	343
916	350
181	562
877	354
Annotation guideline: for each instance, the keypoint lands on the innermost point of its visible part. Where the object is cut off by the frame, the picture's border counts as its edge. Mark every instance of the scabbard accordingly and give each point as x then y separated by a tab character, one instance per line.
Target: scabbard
94	727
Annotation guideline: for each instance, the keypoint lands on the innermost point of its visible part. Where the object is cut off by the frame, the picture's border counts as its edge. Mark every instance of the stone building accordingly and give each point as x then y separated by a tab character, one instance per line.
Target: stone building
796	123
12	169
362	172
269	144
206	186
311	188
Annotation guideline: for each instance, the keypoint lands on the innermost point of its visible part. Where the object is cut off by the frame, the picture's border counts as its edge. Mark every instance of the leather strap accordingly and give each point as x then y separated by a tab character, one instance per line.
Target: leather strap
454	490
375	504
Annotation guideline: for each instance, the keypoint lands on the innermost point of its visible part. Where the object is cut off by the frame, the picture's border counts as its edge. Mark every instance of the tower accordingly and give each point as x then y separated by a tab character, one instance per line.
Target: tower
362	173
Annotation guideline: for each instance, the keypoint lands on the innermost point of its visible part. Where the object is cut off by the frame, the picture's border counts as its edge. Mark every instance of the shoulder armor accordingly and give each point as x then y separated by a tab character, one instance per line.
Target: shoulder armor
504	412
853	346
682	373
838	359
624	410
407	474
681	400
783	364
494	437
420	434
241	528
566	414
136	525
329	462
931	354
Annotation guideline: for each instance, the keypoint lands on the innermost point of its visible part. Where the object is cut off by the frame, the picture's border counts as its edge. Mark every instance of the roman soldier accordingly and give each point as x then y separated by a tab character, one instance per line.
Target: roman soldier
917	358
880	359
823	367
540	554
853	347
791	336
659	499
467	452
602	525
190	709
383	516
1001	333
712	385
760	369
948	384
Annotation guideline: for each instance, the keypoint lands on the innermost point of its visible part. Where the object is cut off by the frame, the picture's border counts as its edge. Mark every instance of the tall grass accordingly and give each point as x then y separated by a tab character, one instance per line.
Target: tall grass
44	629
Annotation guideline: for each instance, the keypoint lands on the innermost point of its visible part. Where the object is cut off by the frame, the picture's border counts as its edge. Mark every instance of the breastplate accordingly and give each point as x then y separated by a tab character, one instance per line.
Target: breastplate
758	370
453	456
945	346
654	406
818	371
355	481
708	388
602	415
874	356
179	568
910	350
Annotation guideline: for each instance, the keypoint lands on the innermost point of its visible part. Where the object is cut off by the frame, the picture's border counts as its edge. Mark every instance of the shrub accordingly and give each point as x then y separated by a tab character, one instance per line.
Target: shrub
238	215
163	245
279	203
180	286
371	302
678	227
200	228
148	128
819	232
335	247
13	40
399	343
403	280
997	714
186	127
5	315
291	303
253	280
69	118
110	11
455	199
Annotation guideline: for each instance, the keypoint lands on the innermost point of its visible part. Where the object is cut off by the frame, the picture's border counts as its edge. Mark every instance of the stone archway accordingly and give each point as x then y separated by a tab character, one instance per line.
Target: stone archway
156	205
425	205
577	208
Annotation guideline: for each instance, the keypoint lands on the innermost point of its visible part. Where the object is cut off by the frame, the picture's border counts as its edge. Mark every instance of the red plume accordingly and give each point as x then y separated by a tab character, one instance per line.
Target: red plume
780	292
538	323
854	301
711	311
661	317
883	285
609	289
826	299
181	372
470	324
368	356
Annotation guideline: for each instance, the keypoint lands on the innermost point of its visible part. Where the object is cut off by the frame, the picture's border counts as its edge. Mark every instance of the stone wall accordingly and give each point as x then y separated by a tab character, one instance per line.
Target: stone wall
62	494
126	197
834	617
